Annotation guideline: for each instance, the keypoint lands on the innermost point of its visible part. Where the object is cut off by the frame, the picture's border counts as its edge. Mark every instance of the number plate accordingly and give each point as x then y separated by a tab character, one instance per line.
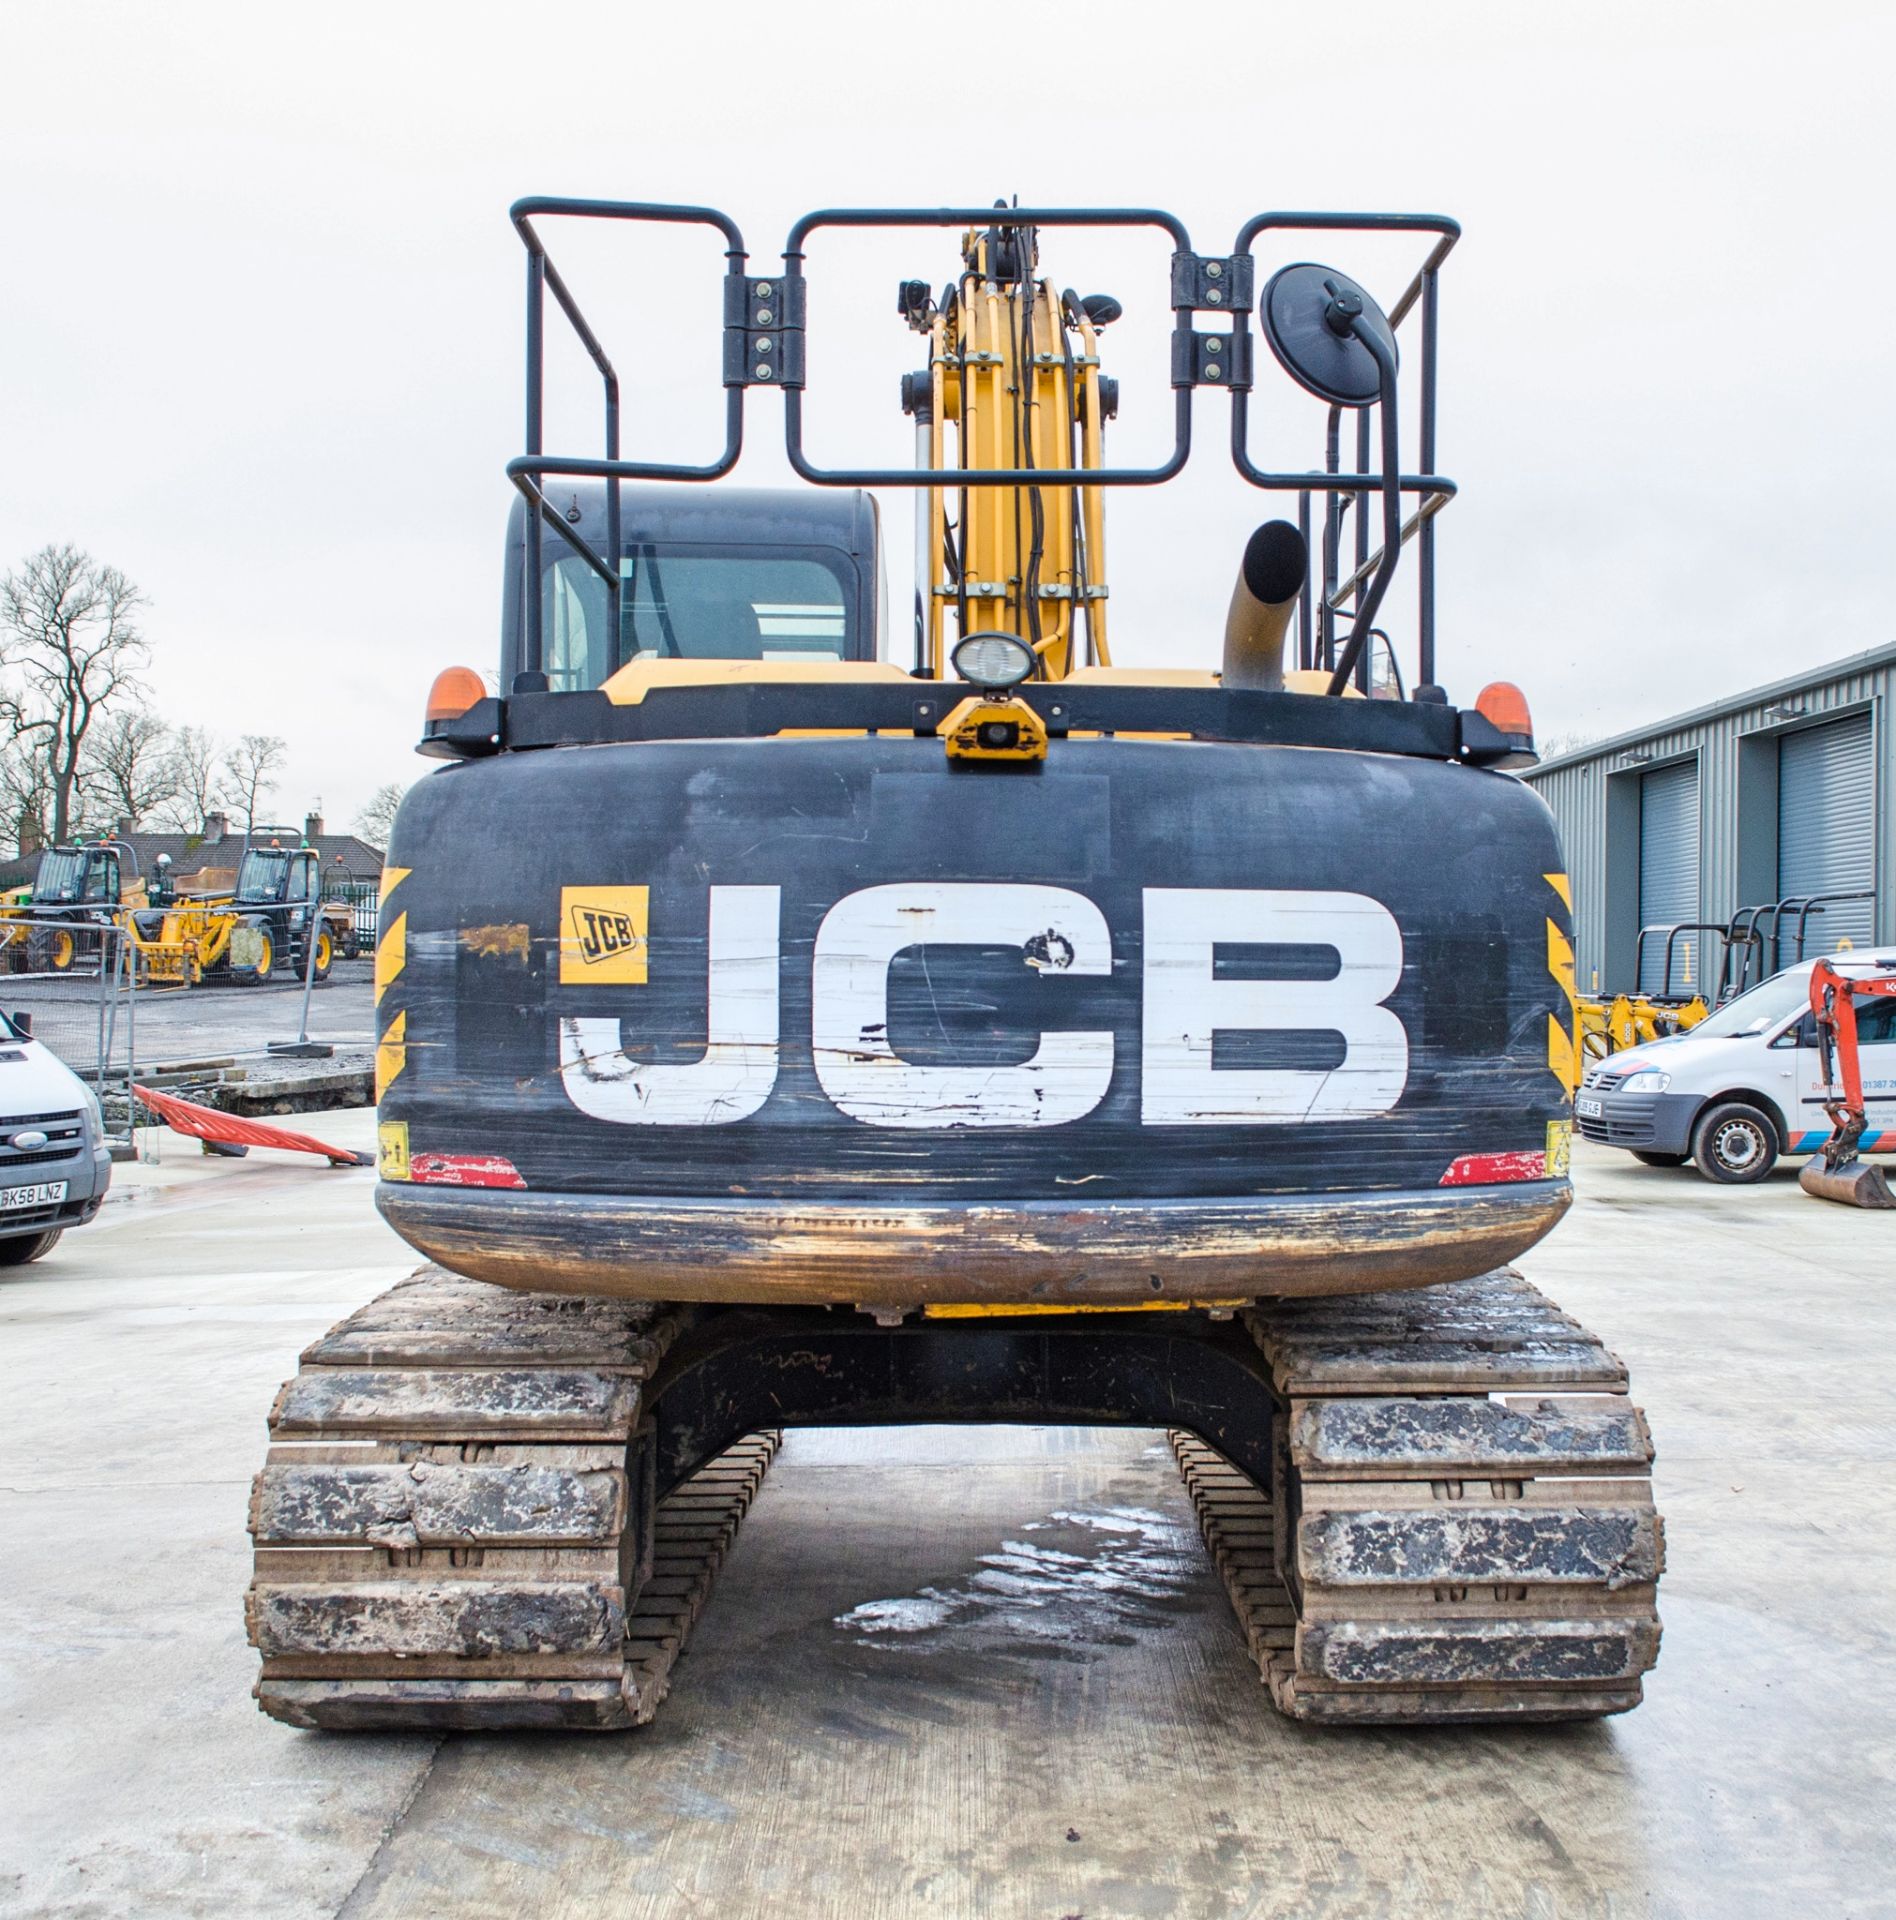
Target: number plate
1587	1106
48	1194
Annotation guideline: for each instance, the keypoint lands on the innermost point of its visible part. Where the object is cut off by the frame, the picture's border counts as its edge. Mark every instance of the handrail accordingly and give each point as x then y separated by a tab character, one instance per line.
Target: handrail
744	326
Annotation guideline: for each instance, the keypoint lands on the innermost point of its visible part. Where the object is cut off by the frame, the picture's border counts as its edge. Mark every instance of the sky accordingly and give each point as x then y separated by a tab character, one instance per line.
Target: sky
261	309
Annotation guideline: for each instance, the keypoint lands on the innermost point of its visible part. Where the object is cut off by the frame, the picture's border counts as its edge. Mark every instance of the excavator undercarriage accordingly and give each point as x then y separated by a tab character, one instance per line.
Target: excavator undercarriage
485	1508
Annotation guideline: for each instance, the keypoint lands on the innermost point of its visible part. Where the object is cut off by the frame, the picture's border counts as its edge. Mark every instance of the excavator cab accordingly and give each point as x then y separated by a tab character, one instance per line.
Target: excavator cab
735	574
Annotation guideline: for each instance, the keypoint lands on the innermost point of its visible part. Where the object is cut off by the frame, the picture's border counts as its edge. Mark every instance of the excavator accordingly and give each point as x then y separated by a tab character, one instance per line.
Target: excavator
776	1033
1838	1172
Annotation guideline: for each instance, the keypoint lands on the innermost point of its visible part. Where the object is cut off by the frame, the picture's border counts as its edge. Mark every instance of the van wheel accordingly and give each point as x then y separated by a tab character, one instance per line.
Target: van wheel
1660	1159
23	1247
1737	1145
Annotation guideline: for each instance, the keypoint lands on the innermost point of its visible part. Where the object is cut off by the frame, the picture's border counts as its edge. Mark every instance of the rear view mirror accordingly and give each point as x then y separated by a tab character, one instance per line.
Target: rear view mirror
24	1022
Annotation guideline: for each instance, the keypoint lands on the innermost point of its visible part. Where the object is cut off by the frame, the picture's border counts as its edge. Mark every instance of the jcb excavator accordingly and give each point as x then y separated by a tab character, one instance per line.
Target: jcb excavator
774	1035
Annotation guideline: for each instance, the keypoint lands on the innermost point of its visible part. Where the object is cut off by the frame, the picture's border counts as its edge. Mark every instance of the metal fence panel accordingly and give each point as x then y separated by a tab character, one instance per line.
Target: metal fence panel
73	978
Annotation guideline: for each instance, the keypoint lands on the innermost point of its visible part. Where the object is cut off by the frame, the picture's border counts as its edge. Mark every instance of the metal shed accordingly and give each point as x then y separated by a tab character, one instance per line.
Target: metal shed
1781	799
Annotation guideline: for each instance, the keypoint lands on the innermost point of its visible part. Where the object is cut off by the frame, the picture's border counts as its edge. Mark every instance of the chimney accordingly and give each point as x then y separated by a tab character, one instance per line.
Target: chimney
125	828
216	825
312	828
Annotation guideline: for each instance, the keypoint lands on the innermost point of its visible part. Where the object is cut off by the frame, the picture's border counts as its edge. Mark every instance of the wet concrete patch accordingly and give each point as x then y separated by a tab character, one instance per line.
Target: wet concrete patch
1086	1580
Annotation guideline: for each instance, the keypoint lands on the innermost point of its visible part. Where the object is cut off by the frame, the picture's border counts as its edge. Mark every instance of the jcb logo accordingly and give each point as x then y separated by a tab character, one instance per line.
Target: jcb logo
602	936
1185	1005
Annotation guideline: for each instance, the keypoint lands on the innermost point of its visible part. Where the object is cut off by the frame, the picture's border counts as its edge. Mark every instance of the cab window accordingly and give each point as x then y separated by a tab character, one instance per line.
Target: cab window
1876	1023
679	602
58	878
260	876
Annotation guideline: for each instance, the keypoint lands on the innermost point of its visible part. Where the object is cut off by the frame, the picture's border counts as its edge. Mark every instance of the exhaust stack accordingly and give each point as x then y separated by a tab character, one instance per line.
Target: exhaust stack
1276	560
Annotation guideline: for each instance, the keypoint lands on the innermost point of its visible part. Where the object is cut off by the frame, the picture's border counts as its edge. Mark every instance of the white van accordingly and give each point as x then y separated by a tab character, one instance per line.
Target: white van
1743	1086
55	1165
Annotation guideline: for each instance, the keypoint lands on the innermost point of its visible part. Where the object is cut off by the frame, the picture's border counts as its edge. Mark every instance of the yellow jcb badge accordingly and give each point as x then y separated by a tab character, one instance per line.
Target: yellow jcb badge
602	936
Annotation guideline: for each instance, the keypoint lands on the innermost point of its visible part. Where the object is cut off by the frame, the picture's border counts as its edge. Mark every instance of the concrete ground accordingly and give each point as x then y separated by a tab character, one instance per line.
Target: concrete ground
1081	1737
202	1023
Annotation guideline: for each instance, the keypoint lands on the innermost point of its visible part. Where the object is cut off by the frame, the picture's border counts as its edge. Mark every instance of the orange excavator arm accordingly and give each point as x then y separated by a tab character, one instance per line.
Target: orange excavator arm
1837	1173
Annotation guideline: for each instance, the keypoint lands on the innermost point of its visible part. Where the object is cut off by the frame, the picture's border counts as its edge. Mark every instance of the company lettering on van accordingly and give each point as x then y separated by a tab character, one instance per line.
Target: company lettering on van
1185	1005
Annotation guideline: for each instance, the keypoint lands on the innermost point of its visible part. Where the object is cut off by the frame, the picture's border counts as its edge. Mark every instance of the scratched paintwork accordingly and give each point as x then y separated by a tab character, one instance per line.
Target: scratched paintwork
802	1178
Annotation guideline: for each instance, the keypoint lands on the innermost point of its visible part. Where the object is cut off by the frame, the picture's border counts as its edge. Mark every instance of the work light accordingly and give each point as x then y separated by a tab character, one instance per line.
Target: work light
993	661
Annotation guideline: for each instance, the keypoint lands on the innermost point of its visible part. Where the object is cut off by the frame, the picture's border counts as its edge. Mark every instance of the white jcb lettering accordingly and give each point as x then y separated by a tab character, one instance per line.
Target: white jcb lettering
1057	930
734	1077
1186	1005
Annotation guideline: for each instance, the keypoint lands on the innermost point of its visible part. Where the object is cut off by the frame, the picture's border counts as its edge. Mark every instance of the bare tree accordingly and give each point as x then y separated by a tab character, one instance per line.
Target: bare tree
377	819
250	774
196	764
24	795
131	767
67	633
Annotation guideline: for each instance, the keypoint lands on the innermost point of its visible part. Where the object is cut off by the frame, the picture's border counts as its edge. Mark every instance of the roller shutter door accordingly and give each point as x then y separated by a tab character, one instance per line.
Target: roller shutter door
1827	830
1669	874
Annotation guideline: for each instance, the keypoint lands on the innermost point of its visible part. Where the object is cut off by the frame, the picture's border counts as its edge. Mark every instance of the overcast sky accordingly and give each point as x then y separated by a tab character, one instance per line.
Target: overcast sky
260	313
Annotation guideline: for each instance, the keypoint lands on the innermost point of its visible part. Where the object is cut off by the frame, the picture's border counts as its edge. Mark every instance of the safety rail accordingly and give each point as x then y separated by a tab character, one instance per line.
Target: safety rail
1746	930
764	328
1674	933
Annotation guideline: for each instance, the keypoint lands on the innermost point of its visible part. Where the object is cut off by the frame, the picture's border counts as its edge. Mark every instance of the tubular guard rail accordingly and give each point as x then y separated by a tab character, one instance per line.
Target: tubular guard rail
763	344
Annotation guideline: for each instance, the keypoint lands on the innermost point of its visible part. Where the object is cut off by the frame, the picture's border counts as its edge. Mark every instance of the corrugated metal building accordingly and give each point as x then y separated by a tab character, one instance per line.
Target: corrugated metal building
1783	794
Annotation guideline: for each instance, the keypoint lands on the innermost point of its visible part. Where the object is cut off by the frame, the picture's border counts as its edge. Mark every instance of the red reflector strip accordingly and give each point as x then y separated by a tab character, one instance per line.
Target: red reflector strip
463	1170
1485	1169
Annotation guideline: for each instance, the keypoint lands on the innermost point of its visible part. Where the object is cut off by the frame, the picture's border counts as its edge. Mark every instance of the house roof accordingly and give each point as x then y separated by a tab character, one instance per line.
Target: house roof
191	853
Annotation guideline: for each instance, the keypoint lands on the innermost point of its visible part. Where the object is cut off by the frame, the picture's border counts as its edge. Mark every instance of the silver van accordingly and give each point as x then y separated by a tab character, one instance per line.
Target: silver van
1742	1087
55	1166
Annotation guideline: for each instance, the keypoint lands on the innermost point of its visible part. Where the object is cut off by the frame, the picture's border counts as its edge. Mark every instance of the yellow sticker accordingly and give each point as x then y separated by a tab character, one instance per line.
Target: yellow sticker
602	936
393	1158
1559	1149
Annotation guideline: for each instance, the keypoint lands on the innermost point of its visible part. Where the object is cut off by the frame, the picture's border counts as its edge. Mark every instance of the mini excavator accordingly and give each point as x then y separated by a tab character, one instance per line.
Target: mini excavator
1838	1172
775	1033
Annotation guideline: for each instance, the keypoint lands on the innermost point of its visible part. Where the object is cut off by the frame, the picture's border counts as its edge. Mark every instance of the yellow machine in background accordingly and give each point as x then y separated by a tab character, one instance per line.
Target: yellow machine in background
249	935
1610	1025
